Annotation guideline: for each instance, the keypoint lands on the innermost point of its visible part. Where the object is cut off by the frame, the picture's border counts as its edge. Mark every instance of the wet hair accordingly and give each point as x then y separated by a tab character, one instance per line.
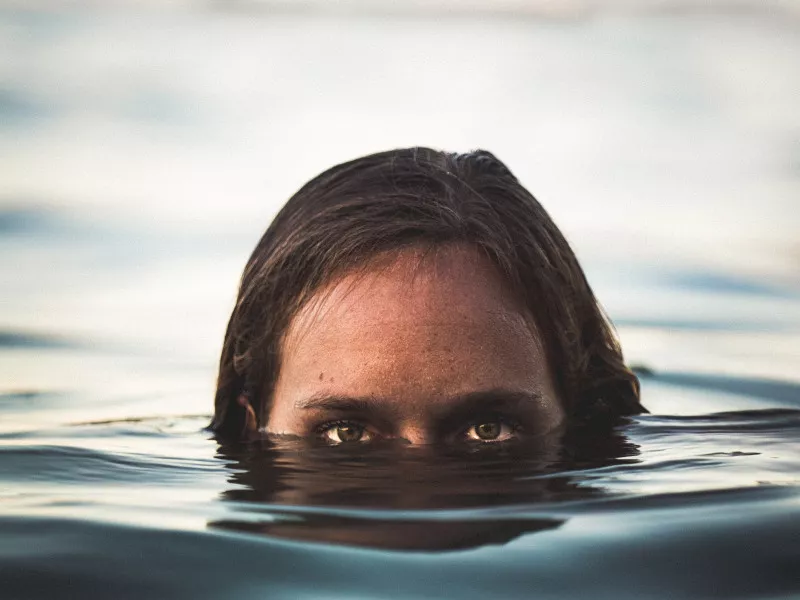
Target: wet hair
419	197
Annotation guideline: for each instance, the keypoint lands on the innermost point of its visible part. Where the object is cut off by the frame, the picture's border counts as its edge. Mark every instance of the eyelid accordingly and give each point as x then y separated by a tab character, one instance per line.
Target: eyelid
489	416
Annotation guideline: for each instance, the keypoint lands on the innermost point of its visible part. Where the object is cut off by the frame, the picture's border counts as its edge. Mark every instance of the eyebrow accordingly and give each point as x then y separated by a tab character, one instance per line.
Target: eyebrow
487	401
454	408
339	403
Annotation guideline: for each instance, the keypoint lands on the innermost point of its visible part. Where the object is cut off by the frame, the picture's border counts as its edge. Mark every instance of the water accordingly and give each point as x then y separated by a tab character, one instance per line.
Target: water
702	506
141	154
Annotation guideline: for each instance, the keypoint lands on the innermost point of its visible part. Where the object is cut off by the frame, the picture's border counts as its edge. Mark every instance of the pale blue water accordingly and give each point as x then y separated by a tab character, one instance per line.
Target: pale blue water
143	151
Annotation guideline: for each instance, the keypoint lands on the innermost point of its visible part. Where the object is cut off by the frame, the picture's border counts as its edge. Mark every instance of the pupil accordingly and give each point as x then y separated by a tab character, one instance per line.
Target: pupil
349	433
488	431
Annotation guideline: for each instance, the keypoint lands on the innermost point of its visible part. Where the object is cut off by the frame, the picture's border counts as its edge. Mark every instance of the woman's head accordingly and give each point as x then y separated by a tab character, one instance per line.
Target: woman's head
415	277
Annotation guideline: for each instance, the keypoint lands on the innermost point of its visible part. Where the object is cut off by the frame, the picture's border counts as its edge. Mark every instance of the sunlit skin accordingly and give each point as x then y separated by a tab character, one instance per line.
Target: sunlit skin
425	348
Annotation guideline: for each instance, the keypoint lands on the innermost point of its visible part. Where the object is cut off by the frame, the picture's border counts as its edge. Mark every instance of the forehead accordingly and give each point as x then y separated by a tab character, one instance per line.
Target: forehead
411	325
413	285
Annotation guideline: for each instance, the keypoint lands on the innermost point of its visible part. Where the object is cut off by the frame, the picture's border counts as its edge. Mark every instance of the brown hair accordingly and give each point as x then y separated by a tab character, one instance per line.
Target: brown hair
410	197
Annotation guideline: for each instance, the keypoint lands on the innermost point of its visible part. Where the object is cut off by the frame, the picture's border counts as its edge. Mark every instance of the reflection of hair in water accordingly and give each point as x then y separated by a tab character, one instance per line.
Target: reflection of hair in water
319	494
397	534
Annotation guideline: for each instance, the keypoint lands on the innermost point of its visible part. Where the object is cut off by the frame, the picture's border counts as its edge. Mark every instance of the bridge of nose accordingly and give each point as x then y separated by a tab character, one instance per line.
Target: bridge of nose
418	435
418	418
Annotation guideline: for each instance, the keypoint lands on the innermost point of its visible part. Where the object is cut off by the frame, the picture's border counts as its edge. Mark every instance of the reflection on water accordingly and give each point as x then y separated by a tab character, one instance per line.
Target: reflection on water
410	486
690	506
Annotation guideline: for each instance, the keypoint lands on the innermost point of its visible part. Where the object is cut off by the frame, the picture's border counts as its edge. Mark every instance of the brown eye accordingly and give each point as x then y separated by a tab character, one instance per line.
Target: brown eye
345	433
349	433
488	431
491	431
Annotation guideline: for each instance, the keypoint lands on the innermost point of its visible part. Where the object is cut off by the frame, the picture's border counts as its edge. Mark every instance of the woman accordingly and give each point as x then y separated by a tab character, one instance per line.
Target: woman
420	296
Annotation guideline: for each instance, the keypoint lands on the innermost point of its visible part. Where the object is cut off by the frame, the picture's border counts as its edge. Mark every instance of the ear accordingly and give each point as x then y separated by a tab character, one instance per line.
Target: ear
250	426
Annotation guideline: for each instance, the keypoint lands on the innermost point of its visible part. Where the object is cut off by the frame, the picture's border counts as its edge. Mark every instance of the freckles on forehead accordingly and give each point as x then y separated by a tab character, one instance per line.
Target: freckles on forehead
415	328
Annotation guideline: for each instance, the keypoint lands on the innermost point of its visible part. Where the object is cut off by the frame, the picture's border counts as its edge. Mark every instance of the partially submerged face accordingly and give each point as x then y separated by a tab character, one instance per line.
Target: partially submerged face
427	348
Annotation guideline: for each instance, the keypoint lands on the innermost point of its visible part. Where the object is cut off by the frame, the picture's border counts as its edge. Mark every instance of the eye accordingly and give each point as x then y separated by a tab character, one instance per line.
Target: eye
344	432
491	430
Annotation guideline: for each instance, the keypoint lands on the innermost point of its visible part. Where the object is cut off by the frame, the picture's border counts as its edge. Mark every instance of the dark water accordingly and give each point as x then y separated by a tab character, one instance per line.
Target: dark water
657	506
143	152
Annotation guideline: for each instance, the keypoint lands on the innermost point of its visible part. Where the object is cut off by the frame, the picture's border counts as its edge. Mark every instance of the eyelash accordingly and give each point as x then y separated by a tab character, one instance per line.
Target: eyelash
328	425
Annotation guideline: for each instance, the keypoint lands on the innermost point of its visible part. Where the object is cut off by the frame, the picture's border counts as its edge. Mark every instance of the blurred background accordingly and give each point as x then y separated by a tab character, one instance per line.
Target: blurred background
145	146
